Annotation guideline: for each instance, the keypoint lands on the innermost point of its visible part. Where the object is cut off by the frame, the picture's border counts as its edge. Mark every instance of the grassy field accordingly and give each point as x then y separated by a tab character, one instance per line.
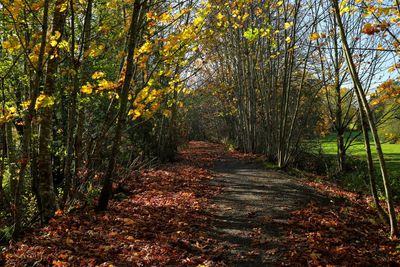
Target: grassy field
391	151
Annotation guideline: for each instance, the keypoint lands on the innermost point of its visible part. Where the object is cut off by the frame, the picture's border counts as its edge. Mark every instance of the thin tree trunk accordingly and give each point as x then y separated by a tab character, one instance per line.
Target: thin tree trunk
136	19
369	115
72	122
86	37
4	200
11	154
371	172
26	139
341	150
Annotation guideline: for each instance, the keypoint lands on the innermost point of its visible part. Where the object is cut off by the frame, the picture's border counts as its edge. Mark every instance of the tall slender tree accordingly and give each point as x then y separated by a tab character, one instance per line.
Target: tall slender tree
139	9
370	118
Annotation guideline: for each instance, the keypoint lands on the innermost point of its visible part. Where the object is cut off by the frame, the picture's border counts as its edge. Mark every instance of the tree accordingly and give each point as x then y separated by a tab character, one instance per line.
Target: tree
363	102
44	184
139	9
257	53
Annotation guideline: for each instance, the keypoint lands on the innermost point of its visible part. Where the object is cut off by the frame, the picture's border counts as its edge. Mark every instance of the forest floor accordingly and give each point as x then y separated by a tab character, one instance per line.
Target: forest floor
214	208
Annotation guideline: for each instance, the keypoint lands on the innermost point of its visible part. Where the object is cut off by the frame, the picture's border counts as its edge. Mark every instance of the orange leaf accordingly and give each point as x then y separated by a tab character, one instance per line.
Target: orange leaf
58	213
128	221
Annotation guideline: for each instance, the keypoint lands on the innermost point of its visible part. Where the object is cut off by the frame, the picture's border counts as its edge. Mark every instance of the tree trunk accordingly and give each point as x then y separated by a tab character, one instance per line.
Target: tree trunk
136	19
4	201
371	172
45	179
86	37
371	121
11	156
341	151
26	139
72	114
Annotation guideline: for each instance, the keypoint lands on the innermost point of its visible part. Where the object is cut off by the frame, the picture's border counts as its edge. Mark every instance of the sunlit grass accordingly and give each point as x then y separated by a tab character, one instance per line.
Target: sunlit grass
391	151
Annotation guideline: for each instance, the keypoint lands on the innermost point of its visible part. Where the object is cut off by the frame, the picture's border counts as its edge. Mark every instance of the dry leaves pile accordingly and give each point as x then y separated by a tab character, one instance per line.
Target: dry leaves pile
344	232
163	222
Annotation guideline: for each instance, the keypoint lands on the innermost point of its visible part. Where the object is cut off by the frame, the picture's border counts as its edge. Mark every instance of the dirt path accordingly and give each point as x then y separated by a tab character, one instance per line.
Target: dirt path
252	211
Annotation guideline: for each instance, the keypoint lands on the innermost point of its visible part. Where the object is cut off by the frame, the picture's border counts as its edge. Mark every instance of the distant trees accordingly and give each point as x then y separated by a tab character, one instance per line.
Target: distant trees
386	104
341	101
256	55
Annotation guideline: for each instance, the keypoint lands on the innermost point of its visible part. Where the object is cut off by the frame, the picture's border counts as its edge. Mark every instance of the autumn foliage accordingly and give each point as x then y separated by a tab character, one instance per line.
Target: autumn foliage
166	217
345	232
163	221
99	100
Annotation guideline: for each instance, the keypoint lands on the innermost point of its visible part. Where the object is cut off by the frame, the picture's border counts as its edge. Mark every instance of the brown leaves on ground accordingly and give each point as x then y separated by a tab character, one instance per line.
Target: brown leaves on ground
345	232
163	223
202	154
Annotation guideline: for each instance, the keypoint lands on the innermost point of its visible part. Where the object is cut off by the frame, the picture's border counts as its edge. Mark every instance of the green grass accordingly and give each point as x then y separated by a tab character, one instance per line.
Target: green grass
391	151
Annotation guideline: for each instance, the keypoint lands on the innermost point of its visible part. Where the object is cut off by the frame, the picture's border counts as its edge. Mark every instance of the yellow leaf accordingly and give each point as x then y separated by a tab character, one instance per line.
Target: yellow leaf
6	45
44	101
12	109
106	85
165	17
12	43
87	88
63	44
62	7
344	9
25	104
57	35
288	25
220	16
134	113
8	116
53	43
97	75
314	36
146	47
167	113
197	21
